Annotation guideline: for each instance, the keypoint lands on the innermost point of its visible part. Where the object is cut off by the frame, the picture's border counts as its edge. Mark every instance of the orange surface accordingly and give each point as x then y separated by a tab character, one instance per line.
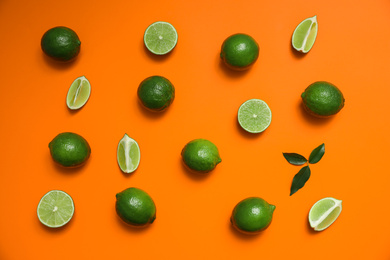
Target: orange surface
352	51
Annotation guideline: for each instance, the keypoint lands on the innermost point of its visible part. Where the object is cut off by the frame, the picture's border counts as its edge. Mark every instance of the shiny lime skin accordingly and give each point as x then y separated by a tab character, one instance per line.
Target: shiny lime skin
322	99
200	155
156	93
69	149
60	43
252	215
239	51
135	207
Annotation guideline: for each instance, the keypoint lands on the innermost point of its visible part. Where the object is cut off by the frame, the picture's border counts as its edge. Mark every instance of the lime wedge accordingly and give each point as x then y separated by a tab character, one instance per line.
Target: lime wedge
305	34
160	38
324	212
78	93
254	116
55	209
128	154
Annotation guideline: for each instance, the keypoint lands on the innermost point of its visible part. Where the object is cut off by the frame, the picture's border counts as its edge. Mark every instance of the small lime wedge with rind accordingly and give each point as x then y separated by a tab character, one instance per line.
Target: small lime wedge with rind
55	209
305	35
254	116
324	212
78	93
160	38
128	154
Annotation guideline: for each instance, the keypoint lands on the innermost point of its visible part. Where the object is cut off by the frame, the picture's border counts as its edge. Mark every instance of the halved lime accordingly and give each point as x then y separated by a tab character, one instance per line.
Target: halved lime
55	209
254	116
160	38
128	154
324	212
305	34
78	93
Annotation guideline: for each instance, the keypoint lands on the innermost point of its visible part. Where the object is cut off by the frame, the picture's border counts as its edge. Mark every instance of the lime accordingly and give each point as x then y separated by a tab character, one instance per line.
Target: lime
305	34
254	116
239	51
200	155
324	212
135	207
69	149
128	154
160	38
61	43
78	93
252	215
156	93
322	99
55	209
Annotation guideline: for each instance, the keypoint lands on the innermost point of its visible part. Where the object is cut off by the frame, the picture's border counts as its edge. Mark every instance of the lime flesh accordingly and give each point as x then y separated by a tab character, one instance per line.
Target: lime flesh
160	38
305	35
324	212
55	209
128	154
78	93
254	116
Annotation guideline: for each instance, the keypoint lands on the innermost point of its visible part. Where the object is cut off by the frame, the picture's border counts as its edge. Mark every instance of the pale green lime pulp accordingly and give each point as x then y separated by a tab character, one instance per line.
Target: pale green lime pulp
320	209
300	33
128	154
55	209
78	93
311	38
160	38
254	116
330	218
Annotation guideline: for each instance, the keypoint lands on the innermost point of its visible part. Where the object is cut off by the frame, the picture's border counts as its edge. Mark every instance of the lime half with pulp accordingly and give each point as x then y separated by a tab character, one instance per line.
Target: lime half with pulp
324	212
55	209
128	154
254	116
78	93
160	38
305	35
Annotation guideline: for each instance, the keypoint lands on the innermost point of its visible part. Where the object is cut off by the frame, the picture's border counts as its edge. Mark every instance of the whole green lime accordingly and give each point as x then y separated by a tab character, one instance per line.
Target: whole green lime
61	43
156	93
322	99
200	155
135	207
252	215
69	149
239	51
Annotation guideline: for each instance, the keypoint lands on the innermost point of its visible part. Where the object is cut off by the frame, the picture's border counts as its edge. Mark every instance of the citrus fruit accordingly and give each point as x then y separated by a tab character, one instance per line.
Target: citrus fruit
252	215
135	207
305	35
156	93
160	38
239	51
69	149
61	43
128	154
254	116
78	93
200	155
324	212
322	99
55	209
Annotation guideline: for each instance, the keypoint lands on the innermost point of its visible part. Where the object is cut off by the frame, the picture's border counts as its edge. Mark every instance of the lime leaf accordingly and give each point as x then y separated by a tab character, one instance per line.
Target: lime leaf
317	154
300	179
295	159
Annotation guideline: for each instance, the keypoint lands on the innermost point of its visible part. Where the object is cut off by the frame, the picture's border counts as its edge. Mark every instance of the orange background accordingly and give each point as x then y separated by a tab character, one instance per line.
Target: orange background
352	51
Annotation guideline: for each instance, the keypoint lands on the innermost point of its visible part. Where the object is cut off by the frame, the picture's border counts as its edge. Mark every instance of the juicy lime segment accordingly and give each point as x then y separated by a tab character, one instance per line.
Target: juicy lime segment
254	116
128	154
78	93
324	212
305	34
160	38
55	209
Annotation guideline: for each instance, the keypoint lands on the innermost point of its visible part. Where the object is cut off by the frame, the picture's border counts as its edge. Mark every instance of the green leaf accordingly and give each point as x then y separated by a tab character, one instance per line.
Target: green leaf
317	154
300	179
295	159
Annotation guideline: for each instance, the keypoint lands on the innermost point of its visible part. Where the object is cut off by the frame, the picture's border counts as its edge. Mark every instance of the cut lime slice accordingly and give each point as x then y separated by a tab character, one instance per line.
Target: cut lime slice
254	116
128	154
78	93
160	38
55	209
305	34
324	212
